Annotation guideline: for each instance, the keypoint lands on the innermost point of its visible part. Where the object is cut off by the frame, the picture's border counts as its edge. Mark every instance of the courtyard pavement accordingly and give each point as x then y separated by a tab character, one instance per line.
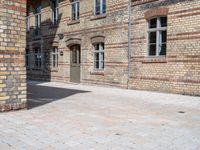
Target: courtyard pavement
80	117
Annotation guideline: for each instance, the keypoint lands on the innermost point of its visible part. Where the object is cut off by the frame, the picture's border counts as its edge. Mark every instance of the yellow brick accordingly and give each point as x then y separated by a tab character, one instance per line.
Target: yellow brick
4	98
4	73
2	85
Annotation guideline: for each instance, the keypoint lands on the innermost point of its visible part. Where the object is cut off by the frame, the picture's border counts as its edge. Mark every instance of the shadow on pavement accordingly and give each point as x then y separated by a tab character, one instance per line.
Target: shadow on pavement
40	95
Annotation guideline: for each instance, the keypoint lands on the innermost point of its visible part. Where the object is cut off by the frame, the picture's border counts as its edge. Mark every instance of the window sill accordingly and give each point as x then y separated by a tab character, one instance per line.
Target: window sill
37	69
97	72
154	59
96	17
72	22
54	69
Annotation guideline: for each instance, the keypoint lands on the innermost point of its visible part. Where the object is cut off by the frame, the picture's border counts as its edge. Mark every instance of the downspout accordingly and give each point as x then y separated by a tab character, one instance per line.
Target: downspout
129	43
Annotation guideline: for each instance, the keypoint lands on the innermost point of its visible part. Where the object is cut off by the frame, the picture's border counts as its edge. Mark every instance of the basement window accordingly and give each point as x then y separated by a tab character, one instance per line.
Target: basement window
157	36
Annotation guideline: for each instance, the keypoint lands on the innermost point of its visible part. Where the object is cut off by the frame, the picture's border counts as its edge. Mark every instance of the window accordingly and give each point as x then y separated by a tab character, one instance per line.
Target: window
28	19
28	23
157	36
100	7
55	10
99	56
75	9
37	20
37	58
75	54
27	58
55	57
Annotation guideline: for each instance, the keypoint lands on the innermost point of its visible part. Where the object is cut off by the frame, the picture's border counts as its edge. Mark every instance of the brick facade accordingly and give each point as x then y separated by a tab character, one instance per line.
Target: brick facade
177	72
12	50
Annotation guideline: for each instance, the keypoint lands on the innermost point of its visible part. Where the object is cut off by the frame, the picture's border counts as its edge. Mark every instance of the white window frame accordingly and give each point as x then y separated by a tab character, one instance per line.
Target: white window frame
77	9
55	11
101	53
101	8
56	54
158	31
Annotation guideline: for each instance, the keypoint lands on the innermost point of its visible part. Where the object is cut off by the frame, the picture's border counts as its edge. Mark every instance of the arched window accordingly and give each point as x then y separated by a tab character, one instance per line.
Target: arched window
157	36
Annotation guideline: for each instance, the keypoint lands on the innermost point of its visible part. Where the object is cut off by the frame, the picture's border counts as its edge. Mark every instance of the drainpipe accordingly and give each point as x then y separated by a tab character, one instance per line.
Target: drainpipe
129	42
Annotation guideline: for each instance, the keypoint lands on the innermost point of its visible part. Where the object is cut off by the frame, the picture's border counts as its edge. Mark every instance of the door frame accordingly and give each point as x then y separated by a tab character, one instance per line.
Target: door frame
75	63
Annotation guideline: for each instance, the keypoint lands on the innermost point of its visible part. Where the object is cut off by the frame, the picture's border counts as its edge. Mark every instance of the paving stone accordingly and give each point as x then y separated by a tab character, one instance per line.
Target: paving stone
103	119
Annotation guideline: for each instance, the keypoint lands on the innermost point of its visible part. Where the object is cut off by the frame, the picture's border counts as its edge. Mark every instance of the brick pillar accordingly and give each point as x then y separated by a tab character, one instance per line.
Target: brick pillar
13	94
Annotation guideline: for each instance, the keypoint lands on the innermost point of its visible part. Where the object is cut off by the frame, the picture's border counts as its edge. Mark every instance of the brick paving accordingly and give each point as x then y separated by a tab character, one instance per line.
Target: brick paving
80	117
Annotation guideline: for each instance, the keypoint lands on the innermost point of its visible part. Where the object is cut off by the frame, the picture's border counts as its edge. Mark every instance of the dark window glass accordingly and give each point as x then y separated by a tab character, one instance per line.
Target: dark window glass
98	7
164	36
153	23
77	10
73	11
152	36
163	49
152	50
163	21
104	6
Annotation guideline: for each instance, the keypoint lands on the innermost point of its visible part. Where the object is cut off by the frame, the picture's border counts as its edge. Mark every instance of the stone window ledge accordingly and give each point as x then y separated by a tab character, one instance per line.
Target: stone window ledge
158	59
72	22
95	72
98	17
37	69
54	69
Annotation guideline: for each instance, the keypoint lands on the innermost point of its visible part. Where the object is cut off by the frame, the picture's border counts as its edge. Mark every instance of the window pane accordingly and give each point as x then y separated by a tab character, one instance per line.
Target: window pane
96	64
96	57
163	50
163	21
98	7
152	50
73	11
104	6
153	23
74	57
54	60
102	44
77	10
163	36
152	37
96	47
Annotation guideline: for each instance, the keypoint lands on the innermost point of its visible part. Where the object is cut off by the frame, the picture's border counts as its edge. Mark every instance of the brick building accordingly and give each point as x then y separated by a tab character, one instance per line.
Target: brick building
12	51
88	41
